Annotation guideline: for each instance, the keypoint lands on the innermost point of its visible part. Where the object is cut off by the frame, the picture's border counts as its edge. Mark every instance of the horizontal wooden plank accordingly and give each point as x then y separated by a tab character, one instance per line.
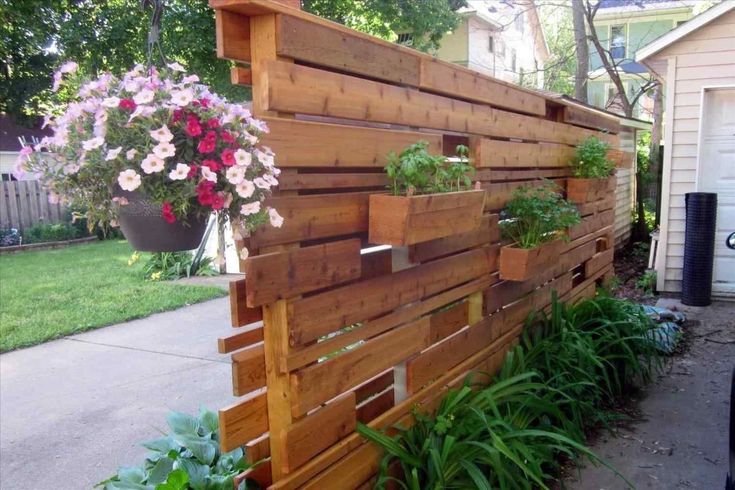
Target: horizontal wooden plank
243	337
374	386
313	217
241	76
590	119
233	36
500	175
258	449
243	421
445	322
310	318
456	81
299	143
317	44
282	275
486	152
487	232
314	181
598	261
305	90
240	314
318	383
592	223
498	194
302	356
317	431
376	406
376	263
248	370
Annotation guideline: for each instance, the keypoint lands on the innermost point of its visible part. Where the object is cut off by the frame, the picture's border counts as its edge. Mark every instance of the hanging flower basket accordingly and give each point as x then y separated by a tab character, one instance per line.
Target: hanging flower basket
155	152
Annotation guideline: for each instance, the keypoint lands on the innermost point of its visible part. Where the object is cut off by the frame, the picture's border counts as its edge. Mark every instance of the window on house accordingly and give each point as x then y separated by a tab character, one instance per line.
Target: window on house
491	44
519	22
617	41
405	38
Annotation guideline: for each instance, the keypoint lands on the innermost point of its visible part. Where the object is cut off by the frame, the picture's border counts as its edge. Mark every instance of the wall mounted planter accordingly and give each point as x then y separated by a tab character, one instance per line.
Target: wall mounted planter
401	220
580	191
520	264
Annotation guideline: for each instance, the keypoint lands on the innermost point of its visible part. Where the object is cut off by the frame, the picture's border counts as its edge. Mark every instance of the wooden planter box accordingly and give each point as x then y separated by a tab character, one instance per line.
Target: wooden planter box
580	191
401	221
520	264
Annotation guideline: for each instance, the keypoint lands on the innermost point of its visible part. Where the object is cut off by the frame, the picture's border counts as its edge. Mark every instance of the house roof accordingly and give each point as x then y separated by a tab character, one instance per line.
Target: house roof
614	7
662	42
10	131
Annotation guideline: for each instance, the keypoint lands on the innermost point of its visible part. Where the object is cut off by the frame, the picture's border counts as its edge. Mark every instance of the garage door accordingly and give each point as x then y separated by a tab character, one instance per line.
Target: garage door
716	173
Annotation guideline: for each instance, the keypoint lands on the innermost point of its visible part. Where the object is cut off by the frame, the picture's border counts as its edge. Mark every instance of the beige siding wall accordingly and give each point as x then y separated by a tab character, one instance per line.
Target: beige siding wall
706	57
625	192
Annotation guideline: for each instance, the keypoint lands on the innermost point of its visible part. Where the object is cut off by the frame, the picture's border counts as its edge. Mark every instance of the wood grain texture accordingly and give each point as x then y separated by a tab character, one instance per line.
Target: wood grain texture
488	232
248	370
376	406
498	153
287	274
233	36
240	314
243	337
243	421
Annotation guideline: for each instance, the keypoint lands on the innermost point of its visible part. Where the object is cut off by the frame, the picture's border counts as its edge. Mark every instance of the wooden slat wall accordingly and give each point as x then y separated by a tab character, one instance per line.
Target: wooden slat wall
330	332
25	203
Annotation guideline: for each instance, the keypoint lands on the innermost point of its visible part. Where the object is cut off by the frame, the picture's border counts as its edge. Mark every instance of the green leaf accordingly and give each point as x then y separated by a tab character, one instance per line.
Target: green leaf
197	472
177	480
208	420
160	471
131	475
183	424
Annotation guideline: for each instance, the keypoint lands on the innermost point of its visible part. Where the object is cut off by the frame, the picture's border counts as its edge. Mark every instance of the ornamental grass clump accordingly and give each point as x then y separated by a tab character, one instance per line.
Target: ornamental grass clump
416	171
536	215
159	133
590	159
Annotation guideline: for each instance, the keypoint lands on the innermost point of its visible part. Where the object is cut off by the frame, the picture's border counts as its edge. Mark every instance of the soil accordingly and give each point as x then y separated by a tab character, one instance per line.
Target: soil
630	264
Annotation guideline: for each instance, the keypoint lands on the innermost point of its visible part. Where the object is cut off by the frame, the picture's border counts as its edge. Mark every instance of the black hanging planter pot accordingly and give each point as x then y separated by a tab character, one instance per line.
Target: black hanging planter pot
143	225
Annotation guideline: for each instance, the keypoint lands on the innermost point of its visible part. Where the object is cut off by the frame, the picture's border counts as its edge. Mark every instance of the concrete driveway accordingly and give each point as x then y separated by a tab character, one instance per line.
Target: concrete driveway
73	410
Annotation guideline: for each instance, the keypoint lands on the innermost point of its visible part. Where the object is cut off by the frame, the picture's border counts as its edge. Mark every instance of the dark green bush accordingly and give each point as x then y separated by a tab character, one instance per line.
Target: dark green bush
9	237
48	232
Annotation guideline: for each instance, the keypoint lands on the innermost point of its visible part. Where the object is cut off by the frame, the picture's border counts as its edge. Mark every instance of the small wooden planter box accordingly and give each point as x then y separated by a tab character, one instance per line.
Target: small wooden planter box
520	264
401	221
580	191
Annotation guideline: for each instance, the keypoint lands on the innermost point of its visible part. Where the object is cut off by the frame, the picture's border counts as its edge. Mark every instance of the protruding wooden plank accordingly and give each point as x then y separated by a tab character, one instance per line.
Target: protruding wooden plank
319	430
258	449
243	337
496	153
598	261
592	223
241	76
317	216
282	275
591	119
260	474
376	406
488	232
455	81
240	314
248	370
299	143
321	45
312	317
242	422
233	36
317	383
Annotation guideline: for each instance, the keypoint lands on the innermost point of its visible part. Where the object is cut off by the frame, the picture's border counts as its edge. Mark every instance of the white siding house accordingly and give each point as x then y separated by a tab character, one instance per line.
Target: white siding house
696	63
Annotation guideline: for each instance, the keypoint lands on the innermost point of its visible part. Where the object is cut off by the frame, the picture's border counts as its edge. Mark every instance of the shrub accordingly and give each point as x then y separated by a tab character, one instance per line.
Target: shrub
590	160
416	171
188	458
647	282
167	266
536	215
9	237
48	232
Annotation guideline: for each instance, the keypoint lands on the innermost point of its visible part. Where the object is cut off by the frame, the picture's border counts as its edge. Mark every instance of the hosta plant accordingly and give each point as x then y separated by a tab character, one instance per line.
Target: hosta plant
187	458
416	171
156	132
590	159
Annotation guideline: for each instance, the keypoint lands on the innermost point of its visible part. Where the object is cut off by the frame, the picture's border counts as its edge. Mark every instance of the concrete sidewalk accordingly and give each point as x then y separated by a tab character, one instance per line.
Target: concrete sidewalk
73	410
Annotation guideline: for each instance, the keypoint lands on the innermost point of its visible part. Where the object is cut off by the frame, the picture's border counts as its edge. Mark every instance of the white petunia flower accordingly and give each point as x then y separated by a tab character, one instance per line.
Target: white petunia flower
111	102
144	96
131	86
130	154
162	134
112	154
176	66
93	143
243	158
164	150
208	174
262	183
275	218
152	164
245	189
180	172
235	175
244	254
129	180
189	79
182	97
250	208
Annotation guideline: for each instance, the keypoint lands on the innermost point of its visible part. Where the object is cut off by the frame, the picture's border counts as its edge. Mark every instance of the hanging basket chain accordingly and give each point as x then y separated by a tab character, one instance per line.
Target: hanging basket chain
154	33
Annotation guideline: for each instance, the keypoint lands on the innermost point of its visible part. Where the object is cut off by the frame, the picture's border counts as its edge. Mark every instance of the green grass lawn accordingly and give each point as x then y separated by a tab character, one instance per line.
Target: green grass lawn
52	293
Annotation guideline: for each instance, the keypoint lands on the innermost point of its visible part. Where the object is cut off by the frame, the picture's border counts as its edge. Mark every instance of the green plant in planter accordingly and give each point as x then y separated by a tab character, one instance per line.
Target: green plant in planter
590	160
188	458
536	215
416	171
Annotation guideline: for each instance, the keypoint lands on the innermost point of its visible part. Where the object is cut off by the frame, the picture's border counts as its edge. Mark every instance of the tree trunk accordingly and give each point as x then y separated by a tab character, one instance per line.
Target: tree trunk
654	167
582	50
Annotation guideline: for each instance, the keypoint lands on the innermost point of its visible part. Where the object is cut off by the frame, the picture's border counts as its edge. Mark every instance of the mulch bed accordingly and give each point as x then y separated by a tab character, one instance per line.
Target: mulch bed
630	263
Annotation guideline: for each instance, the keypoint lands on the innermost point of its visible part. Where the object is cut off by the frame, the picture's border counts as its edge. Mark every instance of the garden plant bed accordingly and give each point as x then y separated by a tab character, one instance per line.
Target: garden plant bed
80	288
46	245
631	262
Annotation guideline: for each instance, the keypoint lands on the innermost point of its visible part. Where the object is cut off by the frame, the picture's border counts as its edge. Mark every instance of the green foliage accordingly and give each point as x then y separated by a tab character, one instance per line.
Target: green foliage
52	232
9	237
647	282
187	458
551	388
167	266
536	215
590	160
560	67
416	171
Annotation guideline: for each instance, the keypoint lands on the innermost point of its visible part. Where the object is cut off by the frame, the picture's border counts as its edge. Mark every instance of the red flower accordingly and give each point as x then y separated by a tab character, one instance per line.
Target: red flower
205	192
213	123
213	165
204	102
178	115
228	157
206	145
167	211
193	171
193	128
227	137
218	201
127	104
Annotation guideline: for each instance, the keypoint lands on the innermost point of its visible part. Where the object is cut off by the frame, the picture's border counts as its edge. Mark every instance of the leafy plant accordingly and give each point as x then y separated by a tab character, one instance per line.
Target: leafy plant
536	215
188	458
51	232
167	266
9	237
590	160
647	282
416	171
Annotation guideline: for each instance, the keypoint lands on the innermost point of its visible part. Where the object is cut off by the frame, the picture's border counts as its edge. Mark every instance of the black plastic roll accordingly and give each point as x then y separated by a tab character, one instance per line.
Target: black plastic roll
699	248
